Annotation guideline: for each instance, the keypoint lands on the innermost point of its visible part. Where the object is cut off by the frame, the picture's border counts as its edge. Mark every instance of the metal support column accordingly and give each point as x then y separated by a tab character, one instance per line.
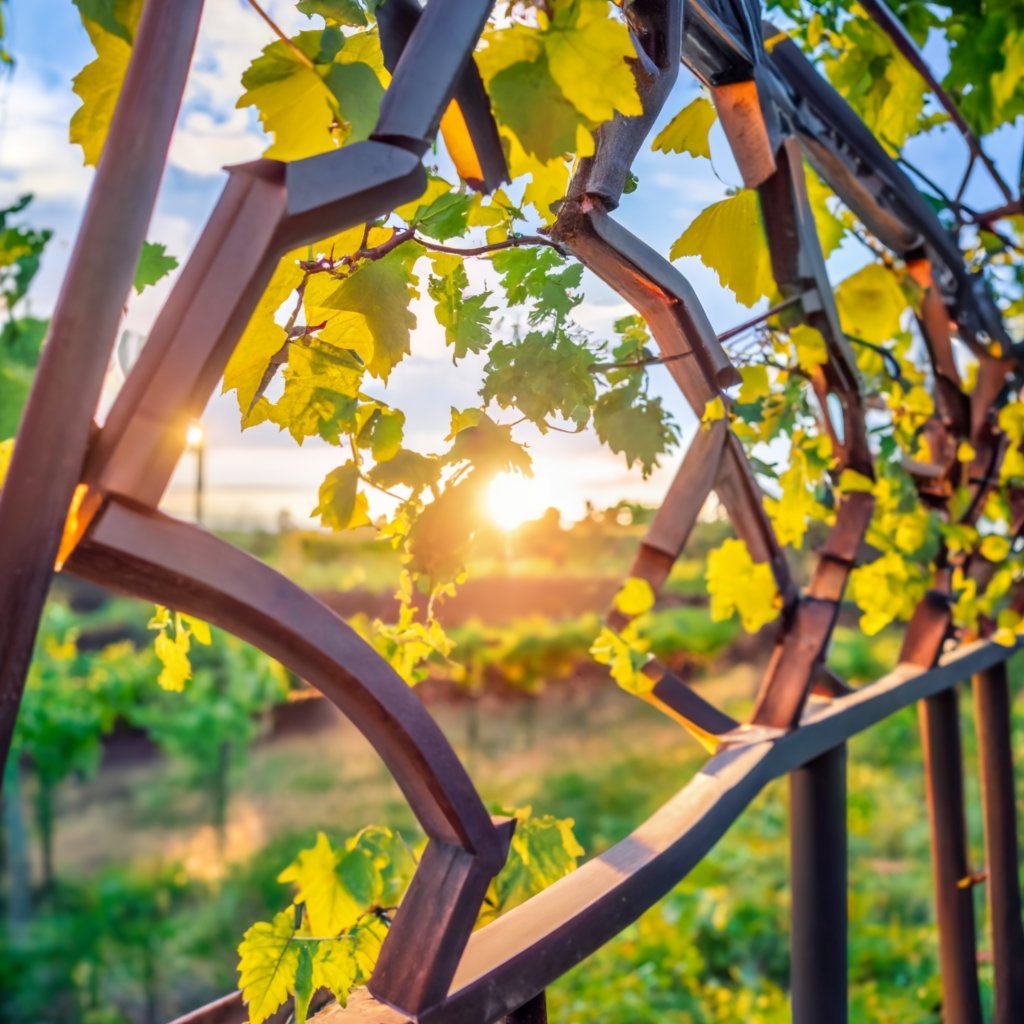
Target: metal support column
817	830
1002	854
954	902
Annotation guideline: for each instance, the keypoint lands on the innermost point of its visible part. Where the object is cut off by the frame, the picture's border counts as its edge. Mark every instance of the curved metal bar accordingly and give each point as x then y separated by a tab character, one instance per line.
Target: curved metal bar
55	429
149	555
515	957
156	558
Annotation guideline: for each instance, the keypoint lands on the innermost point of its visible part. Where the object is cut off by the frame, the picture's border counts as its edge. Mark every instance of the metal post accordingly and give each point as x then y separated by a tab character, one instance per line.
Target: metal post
199	482
818	944
954	902
992	723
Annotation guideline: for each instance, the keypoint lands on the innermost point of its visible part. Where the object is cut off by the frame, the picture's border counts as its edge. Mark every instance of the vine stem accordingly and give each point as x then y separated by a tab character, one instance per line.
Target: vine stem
276	29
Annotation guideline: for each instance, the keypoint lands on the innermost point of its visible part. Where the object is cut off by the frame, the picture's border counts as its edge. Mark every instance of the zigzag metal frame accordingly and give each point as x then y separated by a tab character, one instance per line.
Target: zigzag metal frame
776	110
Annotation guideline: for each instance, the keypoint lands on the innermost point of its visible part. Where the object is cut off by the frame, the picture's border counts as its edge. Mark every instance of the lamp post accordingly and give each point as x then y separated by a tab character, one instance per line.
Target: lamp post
195	441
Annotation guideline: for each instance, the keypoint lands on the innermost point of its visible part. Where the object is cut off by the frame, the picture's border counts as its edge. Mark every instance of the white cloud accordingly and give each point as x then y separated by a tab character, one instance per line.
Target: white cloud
34	152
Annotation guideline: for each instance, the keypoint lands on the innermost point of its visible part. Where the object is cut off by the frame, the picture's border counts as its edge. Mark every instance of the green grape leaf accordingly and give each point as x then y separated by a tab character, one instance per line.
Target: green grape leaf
543	850
637	426
541	276
319	90
871	304
375	299
446	217
542	375
530	103
304	981
688	131
342	505
487	445
320	397
154	263
728	237
382	431
407	469
21	341
466	319
877	81
268	961
118	17
335	12
550	86
435	188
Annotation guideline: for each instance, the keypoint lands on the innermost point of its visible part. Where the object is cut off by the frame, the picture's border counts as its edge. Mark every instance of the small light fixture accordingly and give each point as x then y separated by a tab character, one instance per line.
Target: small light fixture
194	436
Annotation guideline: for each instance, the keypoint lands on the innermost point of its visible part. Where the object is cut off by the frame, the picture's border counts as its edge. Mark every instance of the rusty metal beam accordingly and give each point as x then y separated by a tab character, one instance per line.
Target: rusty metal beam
56	427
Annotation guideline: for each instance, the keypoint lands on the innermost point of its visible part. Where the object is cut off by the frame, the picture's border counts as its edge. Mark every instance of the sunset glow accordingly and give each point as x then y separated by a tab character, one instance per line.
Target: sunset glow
513	499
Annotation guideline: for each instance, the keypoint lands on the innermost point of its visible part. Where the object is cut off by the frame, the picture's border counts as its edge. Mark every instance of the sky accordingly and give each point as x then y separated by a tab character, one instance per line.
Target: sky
252	476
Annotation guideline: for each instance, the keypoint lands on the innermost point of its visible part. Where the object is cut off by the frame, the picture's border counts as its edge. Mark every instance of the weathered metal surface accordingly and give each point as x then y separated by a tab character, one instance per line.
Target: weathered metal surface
55	431
817	831
775	109
992	718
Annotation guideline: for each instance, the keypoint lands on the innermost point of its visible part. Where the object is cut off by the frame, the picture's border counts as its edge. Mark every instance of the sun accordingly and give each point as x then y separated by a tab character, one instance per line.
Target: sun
513	499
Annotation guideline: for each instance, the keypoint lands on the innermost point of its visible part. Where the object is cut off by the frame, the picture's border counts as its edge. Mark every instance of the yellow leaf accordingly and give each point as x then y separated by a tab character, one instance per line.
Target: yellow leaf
811	351
1005	637
634	597
995	548
688	131
98	85
886	589
871	304
850	482
965	452
713	411
267	963
173	655
729	238
829	227
625	655
755	383
1011	421
791	513
6	451
263	337
330	907
588	49
198	630
738	584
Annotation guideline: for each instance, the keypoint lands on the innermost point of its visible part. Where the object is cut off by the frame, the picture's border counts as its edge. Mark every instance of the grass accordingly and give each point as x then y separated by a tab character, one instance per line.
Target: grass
715	949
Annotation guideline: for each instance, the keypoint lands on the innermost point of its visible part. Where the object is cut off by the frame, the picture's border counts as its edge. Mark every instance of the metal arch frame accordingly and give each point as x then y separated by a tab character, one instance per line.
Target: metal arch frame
775	110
